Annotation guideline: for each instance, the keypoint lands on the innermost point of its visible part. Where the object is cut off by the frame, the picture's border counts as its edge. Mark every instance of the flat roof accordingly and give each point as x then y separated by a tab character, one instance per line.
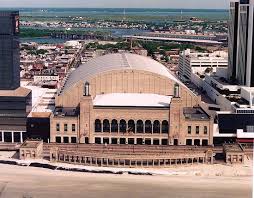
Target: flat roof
195	113
63	112
232	148
31	144
19	92
43	99
132	100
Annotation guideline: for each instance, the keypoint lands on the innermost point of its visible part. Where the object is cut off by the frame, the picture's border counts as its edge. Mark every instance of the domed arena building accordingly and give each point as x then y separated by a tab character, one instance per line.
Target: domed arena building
128	99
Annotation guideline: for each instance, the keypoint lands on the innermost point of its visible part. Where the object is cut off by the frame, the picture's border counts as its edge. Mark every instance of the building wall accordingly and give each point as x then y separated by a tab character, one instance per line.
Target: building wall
62	133
202	135
127	81
127	114
124	81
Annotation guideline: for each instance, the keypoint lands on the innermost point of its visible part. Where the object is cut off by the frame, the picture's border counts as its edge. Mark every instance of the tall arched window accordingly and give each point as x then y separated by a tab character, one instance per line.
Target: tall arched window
122	126
164	127
114	126
97	126
131	126
140	126
106	126
148	126
156	126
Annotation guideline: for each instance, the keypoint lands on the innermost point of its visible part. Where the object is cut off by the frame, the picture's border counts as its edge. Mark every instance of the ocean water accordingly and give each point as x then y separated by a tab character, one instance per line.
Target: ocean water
93	12
151	15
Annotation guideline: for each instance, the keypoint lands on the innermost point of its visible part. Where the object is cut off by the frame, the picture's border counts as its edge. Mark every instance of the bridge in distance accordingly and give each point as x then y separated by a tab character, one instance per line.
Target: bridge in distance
187	40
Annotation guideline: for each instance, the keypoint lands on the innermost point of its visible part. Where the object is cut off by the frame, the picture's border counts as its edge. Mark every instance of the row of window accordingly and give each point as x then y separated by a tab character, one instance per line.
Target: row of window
66	127
197	142
205	130
131	141
131	126
67	140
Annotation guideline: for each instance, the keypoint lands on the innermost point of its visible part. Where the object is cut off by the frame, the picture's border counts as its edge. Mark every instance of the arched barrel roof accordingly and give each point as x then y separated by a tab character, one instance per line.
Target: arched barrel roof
118	61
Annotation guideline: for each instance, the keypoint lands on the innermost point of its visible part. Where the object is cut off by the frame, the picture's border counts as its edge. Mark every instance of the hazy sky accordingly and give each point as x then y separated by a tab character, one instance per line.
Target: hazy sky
218	4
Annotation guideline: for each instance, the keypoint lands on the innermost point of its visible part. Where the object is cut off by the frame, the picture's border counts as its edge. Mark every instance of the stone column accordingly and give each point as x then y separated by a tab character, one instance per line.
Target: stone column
21	137
2	136
12	137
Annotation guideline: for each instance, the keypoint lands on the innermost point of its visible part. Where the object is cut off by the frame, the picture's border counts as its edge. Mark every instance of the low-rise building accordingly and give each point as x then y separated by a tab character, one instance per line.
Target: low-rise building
31	149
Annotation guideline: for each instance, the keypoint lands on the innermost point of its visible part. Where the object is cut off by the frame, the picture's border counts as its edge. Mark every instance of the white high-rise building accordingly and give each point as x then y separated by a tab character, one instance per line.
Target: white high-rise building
196	62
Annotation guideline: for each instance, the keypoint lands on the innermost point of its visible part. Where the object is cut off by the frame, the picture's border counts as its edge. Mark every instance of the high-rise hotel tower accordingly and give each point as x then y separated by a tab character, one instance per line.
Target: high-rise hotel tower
9	50
241	40
15	101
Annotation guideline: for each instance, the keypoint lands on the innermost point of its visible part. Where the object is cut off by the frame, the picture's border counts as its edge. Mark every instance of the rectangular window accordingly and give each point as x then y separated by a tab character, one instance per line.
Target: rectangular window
58	140
197	129
58	127
189	129
73	140
113	140
97	140
189	142
205	129
164	142
73	127
65	127
66	140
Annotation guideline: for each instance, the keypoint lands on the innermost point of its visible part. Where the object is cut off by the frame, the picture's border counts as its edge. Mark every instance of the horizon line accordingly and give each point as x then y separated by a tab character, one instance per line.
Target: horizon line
113	8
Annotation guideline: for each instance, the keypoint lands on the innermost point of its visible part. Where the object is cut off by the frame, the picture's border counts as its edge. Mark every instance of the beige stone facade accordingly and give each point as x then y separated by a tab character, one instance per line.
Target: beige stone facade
31	149
159	125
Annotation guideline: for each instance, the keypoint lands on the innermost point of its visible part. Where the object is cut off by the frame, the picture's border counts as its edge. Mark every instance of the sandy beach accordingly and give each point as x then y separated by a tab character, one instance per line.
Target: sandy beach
29	182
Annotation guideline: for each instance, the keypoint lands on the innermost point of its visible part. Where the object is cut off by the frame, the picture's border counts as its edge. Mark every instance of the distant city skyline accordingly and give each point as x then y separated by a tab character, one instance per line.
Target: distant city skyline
192	4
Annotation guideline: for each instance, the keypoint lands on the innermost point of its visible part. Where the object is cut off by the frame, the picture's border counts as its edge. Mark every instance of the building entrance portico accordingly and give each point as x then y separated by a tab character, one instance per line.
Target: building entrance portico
12	136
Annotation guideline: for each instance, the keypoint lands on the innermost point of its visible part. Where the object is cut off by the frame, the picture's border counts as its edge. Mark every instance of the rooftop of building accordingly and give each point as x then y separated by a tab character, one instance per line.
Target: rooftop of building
31	144
43	99
195	113
219	55
232	148
19	92
66	112
132	100
118	61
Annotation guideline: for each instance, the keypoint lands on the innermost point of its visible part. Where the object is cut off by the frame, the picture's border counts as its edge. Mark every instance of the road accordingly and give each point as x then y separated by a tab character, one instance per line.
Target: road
28	182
